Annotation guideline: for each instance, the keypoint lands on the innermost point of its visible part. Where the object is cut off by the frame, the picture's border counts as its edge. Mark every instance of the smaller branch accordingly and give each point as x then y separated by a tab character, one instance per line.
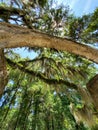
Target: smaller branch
37	59
41	76
12	11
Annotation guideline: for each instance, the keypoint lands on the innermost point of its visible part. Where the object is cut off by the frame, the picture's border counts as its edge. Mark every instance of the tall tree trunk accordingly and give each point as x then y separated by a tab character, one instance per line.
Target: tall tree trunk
53	124
3	72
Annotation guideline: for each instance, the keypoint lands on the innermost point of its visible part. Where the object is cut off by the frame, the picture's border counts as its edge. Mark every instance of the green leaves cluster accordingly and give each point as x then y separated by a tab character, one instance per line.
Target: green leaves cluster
85	28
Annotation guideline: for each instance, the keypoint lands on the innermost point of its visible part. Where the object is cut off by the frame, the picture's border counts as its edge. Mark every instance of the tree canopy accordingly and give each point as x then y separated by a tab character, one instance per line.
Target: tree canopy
56	90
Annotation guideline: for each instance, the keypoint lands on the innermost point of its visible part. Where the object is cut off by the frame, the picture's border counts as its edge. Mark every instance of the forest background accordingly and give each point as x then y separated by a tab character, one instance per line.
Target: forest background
56	87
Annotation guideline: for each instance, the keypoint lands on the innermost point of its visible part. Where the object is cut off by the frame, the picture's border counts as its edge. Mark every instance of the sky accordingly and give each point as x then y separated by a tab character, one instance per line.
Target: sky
79	7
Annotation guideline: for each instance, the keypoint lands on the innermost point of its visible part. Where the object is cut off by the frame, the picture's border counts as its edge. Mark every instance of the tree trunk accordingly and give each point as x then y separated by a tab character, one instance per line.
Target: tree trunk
92	87
12	36
3	72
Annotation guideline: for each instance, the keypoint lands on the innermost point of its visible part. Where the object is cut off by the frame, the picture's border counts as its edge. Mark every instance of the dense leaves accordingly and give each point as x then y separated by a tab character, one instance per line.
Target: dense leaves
85	28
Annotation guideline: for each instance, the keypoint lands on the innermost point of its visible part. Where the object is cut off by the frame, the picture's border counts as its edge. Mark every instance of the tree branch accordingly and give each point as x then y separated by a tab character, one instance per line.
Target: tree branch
41	76
4	10
12	36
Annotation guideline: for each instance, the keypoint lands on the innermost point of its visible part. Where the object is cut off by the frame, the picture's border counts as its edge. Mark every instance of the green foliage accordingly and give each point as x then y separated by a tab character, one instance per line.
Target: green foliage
40	91
85	28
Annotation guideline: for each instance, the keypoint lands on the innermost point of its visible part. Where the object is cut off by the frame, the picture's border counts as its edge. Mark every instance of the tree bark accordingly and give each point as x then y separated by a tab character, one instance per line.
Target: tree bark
92	87
12	36
3	72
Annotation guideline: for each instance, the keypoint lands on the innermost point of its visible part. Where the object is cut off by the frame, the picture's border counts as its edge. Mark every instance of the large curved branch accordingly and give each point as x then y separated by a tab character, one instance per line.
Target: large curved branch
12	36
